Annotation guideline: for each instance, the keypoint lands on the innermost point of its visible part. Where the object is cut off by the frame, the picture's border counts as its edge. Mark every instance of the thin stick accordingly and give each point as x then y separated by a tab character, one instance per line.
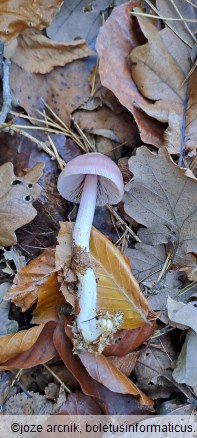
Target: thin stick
57	378
111	209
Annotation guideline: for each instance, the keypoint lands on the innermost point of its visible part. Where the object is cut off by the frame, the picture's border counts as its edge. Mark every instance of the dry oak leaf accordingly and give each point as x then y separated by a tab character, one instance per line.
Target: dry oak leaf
118	290
159	69
36	53
18	15
115	41
30	278
16	197
163	199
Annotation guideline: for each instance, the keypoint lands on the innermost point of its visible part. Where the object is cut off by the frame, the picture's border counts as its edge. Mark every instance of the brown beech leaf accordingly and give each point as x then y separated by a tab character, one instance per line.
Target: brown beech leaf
125	341
118	290
50	301
28	348
35	53
79	404
115	41
17	15
64	89
170	215
90	386
159	75
105	372
16	197
13	344
30	279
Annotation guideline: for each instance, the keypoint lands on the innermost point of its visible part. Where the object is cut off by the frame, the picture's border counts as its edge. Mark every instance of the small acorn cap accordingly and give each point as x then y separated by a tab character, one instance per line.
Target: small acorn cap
110	186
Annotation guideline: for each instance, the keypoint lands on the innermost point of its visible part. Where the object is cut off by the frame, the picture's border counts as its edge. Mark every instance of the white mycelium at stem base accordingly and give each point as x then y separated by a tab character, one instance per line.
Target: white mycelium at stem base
86	320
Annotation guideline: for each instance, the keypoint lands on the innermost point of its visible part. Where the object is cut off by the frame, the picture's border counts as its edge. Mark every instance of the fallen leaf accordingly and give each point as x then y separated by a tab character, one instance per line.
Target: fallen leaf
17	15
126	363
168	286
15	255
88	384
13	344
159	75
125	341
50	301
186	367
182	315
16	197
170	216
146	260
29	279
150	365
115	41
6	325
27	348
79	20
79	404
182	28
113	274
105	122
64	89
35	53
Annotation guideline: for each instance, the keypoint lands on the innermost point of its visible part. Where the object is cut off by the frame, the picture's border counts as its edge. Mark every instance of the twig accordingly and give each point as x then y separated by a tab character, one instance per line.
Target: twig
112	211
57	378
7	97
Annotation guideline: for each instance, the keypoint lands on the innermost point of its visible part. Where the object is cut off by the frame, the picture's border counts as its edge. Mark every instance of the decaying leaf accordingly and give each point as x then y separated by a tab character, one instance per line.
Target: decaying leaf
79	404
16	197
182	315
159	70
115	41
64	89
186	367
17	15
82	20
162	198
29	279
146	260
118	291
13	344
6	325
14	255
35	53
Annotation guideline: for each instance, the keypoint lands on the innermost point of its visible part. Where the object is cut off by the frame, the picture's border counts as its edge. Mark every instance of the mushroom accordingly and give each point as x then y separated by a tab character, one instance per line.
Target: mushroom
91	179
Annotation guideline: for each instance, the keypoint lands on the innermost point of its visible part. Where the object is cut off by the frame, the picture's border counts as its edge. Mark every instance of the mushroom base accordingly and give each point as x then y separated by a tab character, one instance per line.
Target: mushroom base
109	323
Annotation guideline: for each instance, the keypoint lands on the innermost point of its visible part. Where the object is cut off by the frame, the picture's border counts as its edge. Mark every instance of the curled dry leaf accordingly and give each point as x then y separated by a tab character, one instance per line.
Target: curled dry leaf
186	367
29	279
118	290
50	301
35	53
115	41
104	371
18	15
169	215
159	74
27	348
90	385
16	197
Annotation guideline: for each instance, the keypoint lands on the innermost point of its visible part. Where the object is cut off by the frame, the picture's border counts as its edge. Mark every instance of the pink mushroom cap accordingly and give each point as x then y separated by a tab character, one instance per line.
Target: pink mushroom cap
110	186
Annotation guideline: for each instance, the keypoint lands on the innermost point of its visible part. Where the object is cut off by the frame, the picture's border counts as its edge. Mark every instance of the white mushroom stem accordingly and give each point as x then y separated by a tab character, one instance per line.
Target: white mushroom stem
86	320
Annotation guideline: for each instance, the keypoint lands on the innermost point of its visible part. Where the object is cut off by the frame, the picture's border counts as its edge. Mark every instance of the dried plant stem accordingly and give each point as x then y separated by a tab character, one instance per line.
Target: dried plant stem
187	288
165	267
56	378
113	212
41	145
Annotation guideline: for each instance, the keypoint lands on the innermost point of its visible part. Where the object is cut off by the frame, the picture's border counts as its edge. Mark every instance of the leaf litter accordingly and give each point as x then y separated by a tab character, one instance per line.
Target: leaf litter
107	113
